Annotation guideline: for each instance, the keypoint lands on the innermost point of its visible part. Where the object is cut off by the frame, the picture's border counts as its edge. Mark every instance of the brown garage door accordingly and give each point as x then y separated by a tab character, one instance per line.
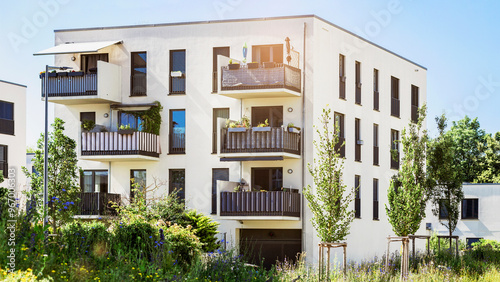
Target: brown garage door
269	245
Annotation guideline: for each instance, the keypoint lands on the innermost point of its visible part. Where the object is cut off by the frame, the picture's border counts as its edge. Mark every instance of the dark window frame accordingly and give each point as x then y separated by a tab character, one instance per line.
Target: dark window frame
342	77
82	186
271	115
357	196
474	208
376	160
341	123
376	93
414	103
394	146
395	97
138	122
357	140
376	191
133	93
178	81
4	164
357	82
182	193
7	124
84	58
132	176
270	177
181	150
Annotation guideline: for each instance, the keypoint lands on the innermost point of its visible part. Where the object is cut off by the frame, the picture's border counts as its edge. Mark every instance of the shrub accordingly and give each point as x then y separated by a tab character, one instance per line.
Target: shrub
134	238
89	238
204	228
488	250
184	246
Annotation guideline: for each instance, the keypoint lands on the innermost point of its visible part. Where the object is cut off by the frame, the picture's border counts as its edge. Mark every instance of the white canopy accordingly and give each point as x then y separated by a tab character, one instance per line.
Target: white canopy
71	48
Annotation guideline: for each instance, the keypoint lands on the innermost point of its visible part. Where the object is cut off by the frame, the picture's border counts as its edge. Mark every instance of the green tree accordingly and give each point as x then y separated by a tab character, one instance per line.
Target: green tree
468	139
63	175
490	161
445	185
330	204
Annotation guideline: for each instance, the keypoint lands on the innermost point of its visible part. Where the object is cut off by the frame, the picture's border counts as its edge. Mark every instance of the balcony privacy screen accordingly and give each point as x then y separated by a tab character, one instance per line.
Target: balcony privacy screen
282	76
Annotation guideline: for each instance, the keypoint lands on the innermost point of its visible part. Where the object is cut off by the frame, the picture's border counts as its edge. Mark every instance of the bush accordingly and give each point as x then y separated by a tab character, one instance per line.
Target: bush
204	228
184	246
90	238
488	250
135	238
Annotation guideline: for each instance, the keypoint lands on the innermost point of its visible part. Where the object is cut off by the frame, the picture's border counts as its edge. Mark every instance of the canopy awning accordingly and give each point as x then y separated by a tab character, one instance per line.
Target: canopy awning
71	48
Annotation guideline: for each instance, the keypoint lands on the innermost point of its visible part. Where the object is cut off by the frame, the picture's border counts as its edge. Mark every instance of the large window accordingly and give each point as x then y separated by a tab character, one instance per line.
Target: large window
339	122
137	181
177	182
89	62
394	96
129	120
375	199
375	90
268	179
177	131
177	71
357	99
4	163
139	74
217	113
470	209
273	114
358	141
267	53
95	181
394	149
87	116
443	211
6	118
357	198
342	76
217	174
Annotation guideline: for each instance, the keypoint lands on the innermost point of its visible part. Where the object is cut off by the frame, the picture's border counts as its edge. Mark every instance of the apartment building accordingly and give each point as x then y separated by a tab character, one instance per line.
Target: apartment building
294	68
12	133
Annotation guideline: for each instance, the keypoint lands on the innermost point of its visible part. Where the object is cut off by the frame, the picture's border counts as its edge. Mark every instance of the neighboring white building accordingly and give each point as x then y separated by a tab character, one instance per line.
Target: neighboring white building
12	132
373	92
478	216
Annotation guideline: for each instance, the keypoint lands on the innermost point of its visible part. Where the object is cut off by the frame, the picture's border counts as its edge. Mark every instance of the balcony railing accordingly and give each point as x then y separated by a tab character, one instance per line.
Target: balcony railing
244	78
394	107
414	114
67	86
270	203
116	143
99	203
177	143
178	85
260	140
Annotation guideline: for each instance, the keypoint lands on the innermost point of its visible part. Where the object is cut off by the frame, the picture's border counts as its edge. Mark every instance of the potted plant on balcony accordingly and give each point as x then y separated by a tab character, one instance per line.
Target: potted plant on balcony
233	66
263	126
269	65
88	125
292	128
240	126
126	129
253	65
75	73
51	74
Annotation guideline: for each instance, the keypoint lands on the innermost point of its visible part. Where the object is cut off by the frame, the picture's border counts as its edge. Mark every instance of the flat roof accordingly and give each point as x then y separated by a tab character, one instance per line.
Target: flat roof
16	84
241	20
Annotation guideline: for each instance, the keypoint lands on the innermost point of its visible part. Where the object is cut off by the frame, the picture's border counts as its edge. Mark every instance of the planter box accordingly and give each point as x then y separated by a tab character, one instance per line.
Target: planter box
234	66
237	129
293	130
269	65
126	131
76	73
62	74
51	74
253	65
261	129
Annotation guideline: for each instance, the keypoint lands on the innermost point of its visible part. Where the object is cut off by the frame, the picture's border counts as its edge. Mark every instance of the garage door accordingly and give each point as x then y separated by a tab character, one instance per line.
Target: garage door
269	245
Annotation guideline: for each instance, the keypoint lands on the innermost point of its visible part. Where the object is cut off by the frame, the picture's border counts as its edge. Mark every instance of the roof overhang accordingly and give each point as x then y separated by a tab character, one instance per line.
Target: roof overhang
72	48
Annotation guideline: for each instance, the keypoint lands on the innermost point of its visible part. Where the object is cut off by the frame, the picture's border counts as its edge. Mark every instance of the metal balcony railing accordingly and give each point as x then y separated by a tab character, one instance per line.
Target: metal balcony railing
269	203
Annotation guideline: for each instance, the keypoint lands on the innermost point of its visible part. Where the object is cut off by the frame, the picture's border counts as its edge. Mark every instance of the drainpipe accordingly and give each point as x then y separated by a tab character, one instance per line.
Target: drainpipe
241	116
302	143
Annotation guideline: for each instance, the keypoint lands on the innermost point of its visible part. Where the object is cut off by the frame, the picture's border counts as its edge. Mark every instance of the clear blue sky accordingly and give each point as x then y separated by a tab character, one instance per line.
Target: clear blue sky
458	41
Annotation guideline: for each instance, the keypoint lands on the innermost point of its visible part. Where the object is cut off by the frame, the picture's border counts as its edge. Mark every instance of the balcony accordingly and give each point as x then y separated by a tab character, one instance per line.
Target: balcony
261	82
103	86
98	204
258	143
117	146
269	205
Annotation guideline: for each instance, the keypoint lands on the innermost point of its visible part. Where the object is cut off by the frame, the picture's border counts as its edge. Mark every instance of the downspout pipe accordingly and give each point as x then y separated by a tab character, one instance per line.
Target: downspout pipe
302	143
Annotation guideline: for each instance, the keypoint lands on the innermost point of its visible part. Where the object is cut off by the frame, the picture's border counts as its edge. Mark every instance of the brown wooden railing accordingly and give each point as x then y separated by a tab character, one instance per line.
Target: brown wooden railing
395	162
375	155
275	139
340	150
115	143
414	114
376	100
99	203
67	86
394	107
271	203
281	76
177	144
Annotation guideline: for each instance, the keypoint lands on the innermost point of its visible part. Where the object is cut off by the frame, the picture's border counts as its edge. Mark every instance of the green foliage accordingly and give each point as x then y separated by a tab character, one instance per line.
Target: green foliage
63	176
406	194
204	228
444	244
88	124
490	161
90	238
135	237
183	244
330	204
151	118
445	185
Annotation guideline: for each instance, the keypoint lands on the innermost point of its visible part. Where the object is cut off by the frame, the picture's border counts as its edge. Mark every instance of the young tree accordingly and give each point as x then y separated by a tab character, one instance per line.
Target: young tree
63	175
330	202
406	194
445	184
490	162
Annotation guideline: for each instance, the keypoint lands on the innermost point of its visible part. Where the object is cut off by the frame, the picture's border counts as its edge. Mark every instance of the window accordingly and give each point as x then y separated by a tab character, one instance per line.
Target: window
224	51
87	116
443	211
178	72
129	120
357	198
177	131
89	62
177	182
4	161
217	174
358	83
342	76
6	118
394	96
217	113
95	181
139	74
375	90
375	199
470	208
268	179
375	144
137	181
339	121
273	114
414	103
358	141
471	241
394	149
267	53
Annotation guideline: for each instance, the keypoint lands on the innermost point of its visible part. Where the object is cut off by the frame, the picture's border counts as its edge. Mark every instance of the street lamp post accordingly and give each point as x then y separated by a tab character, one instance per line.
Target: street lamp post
45	151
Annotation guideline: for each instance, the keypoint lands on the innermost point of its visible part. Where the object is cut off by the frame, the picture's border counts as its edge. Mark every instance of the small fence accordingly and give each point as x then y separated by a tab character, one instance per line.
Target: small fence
270	203
99	203
115	143
260	140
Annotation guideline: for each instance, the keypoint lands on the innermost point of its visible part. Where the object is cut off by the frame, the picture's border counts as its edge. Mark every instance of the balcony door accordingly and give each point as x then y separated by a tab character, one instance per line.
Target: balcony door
95	181
273	114
268	179
267	53
89	62
224	51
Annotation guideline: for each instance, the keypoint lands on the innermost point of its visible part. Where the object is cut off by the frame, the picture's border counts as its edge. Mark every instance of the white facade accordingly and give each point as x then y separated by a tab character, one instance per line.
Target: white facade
13	133
318	44
478	221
